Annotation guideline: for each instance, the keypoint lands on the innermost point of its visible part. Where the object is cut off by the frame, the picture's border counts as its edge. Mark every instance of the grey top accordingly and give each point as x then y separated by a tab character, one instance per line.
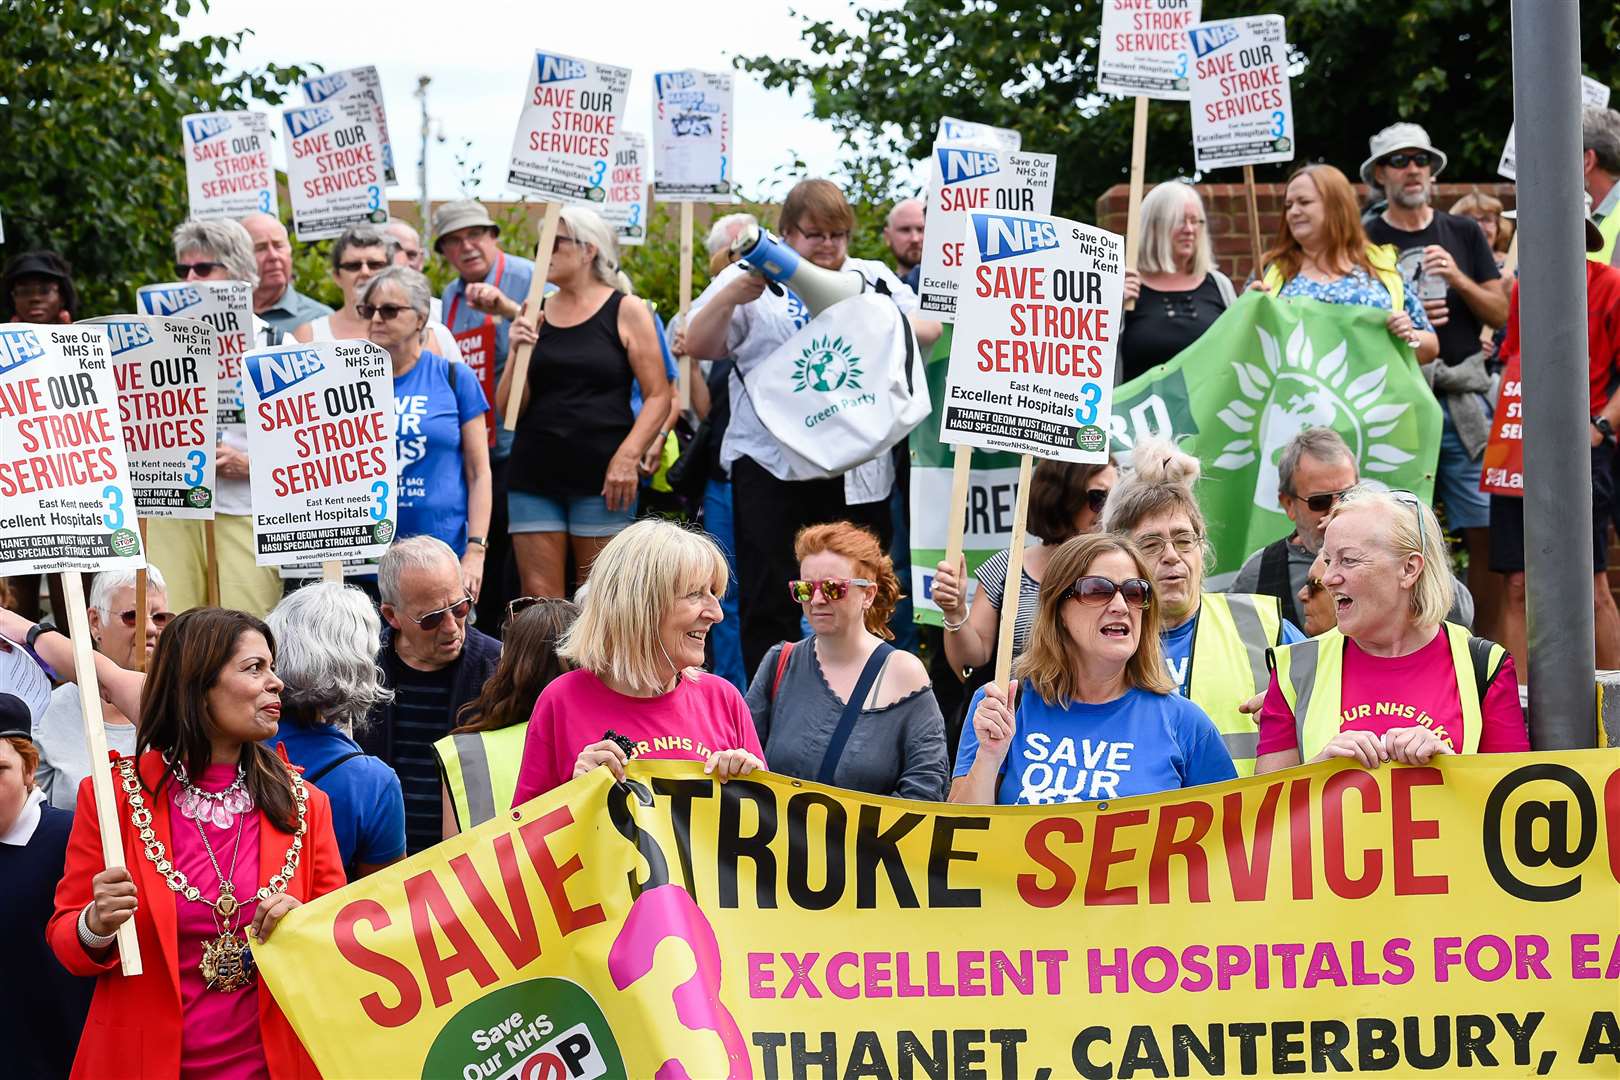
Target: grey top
897	750
64	760
293	310
992	575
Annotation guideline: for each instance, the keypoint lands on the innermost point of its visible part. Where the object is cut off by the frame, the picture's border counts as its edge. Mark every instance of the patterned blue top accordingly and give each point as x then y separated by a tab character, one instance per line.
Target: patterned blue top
1358	287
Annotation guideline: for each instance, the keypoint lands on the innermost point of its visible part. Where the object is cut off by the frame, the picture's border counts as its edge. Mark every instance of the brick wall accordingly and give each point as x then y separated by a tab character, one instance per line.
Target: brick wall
1227	210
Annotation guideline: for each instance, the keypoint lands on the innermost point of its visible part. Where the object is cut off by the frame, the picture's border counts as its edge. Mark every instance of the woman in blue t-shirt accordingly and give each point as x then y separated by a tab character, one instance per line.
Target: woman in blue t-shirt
439	433
1093	713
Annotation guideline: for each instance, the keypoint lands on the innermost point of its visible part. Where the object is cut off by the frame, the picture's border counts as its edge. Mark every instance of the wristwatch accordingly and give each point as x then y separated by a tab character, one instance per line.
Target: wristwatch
479	540
1604	428
32	637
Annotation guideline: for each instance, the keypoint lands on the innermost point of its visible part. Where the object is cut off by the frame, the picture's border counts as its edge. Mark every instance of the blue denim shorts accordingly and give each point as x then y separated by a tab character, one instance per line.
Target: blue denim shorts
579	515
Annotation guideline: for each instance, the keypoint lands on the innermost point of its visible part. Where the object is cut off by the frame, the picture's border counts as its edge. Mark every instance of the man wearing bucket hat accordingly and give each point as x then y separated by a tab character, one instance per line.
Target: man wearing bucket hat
479	306
1447	263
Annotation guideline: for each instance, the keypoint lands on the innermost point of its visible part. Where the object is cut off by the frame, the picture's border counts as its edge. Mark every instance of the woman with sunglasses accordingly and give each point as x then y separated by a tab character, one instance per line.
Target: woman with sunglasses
1214	643
843	706
1394	681
576	459
1322	253
59	734
479	760
1065	500
439	436
639	687
234	840
1091	713
362	252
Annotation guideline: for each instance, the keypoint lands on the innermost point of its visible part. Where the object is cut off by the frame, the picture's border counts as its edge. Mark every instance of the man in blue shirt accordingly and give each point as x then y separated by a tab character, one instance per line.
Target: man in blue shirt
478	307
274	298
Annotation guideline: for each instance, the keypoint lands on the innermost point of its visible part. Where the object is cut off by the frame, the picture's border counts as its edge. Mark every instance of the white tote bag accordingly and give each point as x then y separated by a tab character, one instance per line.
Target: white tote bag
844	389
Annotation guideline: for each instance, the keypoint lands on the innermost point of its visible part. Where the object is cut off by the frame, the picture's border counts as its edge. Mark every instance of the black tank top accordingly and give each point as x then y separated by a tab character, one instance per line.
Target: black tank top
579	407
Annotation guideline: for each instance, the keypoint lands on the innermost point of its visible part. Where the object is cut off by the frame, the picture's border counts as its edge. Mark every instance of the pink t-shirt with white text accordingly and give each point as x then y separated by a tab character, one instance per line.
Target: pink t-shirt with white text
689	723
1381	693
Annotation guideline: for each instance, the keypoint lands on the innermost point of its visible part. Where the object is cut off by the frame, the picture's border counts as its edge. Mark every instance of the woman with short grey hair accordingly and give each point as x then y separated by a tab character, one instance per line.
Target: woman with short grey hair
328	636
201	248
358	255
440	436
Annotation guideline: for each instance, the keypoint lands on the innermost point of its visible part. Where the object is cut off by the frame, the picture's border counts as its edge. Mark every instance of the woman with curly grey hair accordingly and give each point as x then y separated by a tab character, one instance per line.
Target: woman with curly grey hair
328	662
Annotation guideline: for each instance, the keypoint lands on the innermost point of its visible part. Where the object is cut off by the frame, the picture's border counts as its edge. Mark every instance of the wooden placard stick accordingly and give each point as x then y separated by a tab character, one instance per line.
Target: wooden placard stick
1133	210
95	740
1015	570
137	644
961	473
1254	219
332	570
211	551
683	365
537	291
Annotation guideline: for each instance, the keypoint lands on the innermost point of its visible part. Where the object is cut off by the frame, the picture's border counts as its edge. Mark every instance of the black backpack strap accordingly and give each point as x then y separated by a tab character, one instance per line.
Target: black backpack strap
852	711
330	765
1274	580
1479	651
452	365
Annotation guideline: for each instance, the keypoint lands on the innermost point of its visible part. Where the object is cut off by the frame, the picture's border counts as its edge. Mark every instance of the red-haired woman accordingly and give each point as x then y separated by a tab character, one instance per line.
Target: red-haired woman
1322	253
844	706
221	839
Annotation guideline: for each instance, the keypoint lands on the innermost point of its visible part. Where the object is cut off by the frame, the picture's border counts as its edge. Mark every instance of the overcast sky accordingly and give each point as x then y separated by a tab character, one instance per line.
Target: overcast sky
477	53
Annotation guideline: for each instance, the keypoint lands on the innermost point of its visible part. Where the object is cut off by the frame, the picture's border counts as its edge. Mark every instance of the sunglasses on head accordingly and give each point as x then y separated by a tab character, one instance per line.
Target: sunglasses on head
354	266
1422	159
432	619
389	312
160	619
201	269
1094	590
834	589
1323	501
1409	498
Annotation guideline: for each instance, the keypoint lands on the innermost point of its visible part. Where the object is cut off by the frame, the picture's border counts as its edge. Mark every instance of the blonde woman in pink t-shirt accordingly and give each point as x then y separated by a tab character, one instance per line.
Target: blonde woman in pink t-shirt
1394	681
638	646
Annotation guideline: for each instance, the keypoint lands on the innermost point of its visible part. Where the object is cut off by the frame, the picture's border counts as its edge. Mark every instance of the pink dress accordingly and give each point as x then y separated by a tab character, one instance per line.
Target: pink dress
689	723
220	1039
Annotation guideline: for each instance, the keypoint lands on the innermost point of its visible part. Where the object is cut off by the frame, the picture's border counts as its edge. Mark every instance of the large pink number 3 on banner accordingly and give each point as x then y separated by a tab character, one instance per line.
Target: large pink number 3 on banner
658	915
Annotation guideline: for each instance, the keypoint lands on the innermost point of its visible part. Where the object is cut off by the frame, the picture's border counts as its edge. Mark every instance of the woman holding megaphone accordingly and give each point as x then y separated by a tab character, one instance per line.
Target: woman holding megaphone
737	317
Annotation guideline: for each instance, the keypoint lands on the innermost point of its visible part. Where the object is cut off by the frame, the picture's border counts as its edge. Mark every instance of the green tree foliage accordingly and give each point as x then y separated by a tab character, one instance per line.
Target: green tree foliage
1032	65
93	92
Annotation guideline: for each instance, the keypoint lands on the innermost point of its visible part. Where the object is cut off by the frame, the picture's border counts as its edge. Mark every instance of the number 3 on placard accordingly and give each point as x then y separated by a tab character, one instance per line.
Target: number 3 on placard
1090	395
1181	65
264	202
599	173
379	510
194	475
1278	124
114	517
373	197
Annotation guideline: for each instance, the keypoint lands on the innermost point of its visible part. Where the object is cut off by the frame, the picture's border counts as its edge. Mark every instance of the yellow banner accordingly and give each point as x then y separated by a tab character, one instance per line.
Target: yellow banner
1463	917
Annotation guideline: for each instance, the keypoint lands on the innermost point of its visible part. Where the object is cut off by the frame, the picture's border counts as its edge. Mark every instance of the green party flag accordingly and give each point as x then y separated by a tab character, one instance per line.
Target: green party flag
1266	370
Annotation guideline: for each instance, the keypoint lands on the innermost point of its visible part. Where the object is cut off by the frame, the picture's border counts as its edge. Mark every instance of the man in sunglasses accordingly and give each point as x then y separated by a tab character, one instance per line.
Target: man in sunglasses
435	661
274	298
1448	264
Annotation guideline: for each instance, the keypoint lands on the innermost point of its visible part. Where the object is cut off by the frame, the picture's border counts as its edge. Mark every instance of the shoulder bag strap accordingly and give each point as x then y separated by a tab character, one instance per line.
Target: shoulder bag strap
781	667
852	711
330	765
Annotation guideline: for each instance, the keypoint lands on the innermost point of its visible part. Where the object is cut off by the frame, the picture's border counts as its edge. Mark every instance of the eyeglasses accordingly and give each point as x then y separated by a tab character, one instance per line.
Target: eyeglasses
560	239
1314	587
1096	499
354	266
1323	501
463	239
201	269
389	312
1422	159
160	619
834	589
1153	545
411	253
825	238
432	619
1094	590
31	290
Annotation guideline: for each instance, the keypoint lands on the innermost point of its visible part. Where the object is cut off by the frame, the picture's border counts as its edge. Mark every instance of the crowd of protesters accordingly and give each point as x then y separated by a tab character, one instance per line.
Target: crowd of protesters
311	735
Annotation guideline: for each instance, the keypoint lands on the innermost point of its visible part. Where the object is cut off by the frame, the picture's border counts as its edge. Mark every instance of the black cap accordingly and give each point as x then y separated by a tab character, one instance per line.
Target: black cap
15	718
38	264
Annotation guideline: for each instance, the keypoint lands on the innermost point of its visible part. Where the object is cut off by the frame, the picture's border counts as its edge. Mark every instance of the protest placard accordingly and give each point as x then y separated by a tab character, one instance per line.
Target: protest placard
963	179
334	166
321	435
1329	919
954	132
229	173
571	112
1593	93
692	120
227	306
1242	112
166	375
1032	358
1143	49
362	82
626	206
1502	466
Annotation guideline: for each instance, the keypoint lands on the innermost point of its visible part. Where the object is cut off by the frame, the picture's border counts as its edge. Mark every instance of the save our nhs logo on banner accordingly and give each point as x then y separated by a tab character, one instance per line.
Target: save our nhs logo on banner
1001	237
363	82
273	372
962	180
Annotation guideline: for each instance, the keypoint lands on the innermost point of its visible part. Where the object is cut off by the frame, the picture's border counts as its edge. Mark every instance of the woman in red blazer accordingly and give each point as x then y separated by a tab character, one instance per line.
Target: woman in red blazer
208	816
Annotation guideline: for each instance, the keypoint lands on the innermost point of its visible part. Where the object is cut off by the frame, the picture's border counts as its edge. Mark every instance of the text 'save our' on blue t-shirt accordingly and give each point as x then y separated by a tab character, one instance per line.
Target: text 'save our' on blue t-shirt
368	811
1138	744
427	440
1178	649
